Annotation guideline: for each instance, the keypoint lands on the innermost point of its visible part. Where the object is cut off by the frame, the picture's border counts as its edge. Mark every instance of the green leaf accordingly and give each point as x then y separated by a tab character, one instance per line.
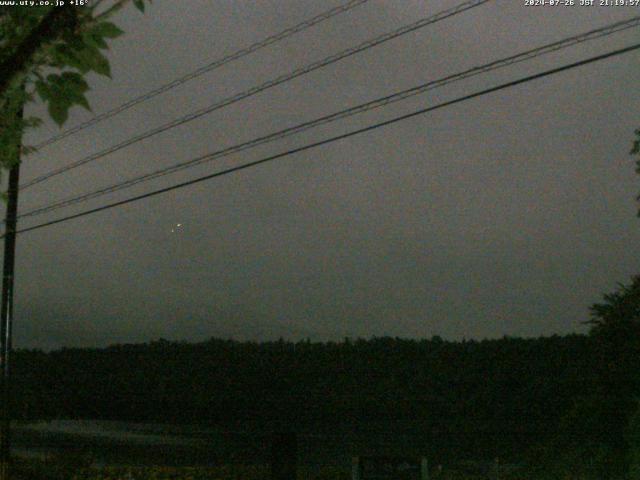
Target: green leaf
59	112
43	90
62	92
95	41
73	80
73	57
139	4
83	102
101	65
87	57
106	30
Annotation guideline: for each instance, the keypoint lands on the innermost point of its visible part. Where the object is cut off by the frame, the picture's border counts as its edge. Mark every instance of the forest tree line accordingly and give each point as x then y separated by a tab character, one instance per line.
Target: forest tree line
570	397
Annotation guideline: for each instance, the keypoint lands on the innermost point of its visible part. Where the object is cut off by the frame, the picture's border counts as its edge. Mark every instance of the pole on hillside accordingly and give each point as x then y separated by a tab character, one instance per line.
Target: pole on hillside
7	316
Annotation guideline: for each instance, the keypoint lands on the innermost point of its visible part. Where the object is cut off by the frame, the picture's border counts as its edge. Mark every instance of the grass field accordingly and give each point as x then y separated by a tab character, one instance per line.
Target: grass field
73	469
36	470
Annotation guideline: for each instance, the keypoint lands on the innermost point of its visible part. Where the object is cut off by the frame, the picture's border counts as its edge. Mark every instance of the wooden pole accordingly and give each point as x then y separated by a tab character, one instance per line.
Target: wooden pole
6	316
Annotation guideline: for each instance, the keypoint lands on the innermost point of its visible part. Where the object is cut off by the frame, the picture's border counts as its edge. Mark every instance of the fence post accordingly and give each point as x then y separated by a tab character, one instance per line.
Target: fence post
284	456
424	469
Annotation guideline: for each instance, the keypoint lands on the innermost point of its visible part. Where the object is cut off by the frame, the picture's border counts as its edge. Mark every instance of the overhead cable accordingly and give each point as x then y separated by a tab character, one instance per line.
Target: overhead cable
361	108
329	140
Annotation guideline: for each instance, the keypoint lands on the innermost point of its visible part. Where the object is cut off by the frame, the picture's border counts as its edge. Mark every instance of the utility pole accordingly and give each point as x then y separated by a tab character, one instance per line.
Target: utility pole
7	314
51	27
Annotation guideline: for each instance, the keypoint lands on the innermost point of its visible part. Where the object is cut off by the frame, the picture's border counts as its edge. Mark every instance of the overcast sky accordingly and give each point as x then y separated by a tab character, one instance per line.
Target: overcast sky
505	215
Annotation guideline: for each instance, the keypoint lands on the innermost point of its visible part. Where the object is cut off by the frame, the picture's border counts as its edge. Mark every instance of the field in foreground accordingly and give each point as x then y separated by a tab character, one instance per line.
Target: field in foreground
71	469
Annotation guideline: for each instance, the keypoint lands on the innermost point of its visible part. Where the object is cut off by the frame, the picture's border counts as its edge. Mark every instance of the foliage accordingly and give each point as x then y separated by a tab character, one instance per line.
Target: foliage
633	439
562	403
587	444
619	309
55	71
616	330
467	399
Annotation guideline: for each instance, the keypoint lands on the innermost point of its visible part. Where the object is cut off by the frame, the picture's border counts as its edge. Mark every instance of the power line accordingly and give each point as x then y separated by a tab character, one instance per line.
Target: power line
264	86
206	68
383	101
352	133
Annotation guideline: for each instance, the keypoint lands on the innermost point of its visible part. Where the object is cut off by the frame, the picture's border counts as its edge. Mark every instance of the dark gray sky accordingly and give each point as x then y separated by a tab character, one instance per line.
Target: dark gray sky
505	215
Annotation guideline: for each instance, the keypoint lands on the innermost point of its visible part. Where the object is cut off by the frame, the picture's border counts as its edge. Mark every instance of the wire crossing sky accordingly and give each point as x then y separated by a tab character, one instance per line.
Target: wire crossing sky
339	137
377	103
374	42
300	27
